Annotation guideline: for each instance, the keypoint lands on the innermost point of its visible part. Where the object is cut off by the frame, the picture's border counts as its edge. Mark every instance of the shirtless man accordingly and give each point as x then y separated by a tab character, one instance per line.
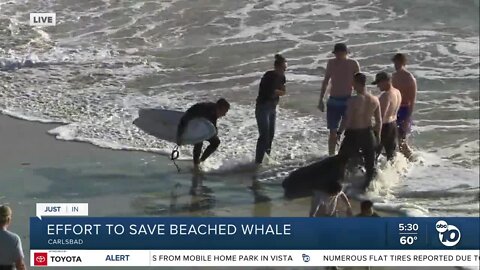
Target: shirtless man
390	100
404	81
359	134
339	73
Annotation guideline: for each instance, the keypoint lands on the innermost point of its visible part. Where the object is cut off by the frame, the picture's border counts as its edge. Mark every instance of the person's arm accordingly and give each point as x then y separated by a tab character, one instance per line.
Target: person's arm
356	68
345	120
384	105
378	120
181	128
189	115
19	263
323	90
282	90
412	96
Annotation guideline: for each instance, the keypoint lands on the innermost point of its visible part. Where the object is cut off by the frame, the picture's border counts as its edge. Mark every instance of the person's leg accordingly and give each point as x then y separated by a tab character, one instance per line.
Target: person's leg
368	152
214	143
349	146
197	151
390	142
403	130
271	128
334	116
381	144
403	146
332	142
261	114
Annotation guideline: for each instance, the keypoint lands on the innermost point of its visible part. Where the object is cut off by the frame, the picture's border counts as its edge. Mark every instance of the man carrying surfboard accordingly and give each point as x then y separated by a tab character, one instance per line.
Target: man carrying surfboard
272	87
210	111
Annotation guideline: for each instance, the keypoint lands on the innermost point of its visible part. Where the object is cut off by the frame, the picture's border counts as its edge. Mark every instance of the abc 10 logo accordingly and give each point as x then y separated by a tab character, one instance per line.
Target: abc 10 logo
449	235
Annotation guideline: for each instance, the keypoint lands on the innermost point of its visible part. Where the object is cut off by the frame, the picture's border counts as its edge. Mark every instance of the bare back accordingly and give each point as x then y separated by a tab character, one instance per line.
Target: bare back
360	111
404	81
389	104
340	72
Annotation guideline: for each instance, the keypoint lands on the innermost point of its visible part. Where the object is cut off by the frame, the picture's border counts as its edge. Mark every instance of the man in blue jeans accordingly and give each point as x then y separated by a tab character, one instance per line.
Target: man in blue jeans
272	87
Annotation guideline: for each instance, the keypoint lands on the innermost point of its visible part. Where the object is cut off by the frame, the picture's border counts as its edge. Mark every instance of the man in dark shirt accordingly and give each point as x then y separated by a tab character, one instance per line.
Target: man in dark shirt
272	87
211	111
317	176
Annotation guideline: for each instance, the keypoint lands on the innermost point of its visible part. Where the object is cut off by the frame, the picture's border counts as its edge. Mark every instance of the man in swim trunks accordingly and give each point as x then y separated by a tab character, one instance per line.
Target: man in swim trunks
359	133
339	73
390	100
406	83
211	111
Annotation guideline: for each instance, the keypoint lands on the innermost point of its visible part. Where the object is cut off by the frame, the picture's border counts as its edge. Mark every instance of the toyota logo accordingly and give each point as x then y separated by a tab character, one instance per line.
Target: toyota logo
40	259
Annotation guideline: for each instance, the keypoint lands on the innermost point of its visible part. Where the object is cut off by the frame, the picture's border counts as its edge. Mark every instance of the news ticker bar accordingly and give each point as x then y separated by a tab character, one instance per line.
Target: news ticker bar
293	258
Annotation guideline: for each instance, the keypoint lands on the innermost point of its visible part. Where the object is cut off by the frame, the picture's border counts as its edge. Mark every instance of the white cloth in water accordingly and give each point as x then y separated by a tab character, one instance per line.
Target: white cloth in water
324	204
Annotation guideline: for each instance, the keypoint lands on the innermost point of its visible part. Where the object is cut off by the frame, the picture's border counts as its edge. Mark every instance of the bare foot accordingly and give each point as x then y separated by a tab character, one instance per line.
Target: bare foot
407	152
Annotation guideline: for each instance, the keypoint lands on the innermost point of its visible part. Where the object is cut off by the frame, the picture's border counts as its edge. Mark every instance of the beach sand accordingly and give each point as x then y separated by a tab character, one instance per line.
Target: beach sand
35	167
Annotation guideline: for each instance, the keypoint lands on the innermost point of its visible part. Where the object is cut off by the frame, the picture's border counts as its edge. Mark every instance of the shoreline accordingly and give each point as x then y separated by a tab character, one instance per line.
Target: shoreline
36	167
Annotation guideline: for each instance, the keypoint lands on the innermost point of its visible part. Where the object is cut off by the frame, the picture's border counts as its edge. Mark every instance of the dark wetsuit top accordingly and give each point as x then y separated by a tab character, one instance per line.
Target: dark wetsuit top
270	82
206	110
301	182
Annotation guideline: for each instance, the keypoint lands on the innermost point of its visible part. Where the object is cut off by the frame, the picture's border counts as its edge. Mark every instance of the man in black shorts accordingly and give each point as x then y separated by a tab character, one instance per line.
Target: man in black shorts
390	101
359	130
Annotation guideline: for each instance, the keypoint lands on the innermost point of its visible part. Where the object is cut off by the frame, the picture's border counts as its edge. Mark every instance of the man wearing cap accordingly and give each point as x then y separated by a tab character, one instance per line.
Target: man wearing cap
359	133
405	82
339	73
390	100
11	252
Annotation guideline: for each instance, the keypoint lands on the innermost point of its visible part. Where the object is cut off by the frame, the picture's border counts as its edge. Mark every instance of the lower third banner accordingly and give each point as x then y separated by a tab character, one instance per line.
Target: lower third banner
188	241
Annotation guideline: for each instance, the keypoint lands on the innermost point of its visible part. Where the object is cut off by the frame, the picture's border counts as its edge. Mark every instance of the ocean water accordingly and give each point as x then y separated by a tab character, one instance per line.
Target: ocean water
106	59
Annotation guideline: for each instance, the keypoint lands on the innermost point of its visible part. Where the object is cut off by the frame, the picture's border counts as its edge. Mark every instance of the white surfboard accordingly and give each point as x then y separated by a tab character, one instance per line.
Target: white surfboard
163	124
